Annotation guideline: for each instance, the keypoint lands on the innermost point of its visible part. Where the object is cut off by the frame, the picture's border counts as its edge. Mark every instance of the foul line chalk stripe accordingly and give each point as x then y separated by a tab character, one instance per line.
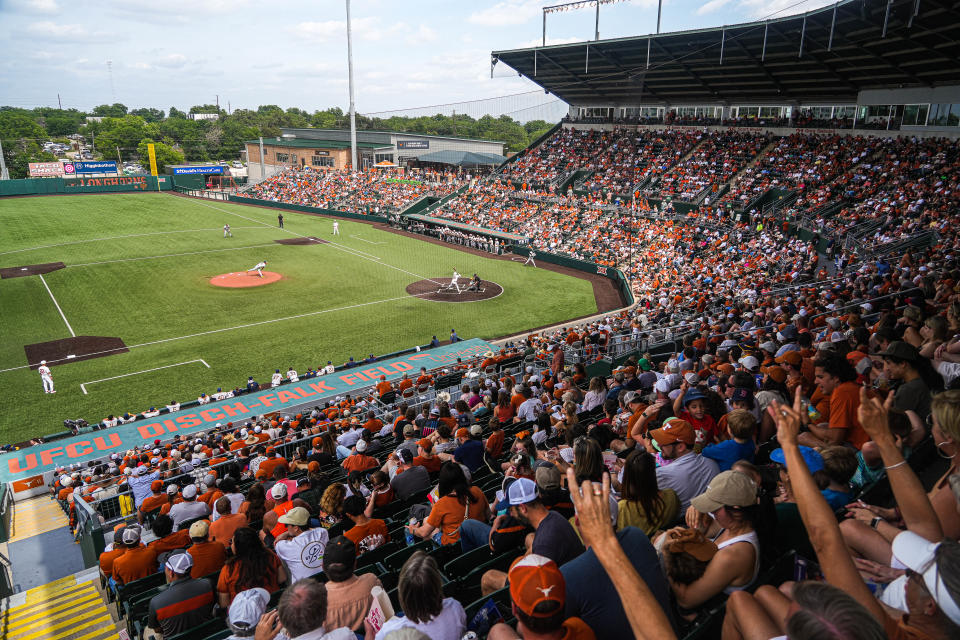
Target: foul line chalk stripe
246	326
57	305
83	386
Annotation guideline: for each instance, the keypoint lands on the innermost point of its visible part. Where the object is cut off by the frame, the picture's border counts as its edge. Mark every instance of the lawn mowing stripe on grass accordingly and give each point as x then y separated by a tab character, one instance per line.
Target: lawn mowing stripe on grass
335	245
133	235
57	305
171	255
251	324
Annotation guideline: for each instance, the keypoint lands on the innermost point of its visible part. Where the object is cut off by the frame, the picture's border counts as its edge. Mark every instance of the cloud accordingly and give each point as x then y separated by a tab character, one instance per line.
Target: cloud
48	30
758	9
422	35
34	6
711	6
538	42
368	29
508	13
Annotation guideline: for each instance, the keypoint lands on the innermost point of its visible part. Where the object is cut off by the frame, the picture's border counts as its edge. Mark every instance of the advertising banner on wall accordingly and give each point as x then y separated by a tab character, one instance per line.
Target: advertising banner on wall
45	169
107	166
413	144
206	170
32	461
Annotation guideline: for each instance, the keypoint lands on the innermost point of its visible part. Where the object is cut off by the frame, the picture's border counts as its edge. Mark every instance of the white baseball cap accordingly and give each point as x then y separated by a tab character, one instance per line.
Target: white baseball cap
920	555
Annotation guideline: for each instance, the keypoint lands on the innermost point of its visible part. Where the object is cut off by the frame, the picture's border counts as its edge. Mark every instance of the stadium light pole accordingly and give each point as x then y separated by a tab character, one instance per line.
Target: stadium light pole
353	112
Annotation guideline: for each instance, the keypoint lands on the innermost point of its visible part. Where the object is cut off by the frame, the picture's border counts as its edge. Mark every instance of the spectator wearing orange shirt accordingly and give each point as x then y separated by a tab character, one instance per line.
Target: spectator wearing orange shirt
373	424
108	557
152	502
424	378
366	533
208	556
222	529
384	387
210	491
167	539
836	379
273	460
358	461
138	561
425	457
404	384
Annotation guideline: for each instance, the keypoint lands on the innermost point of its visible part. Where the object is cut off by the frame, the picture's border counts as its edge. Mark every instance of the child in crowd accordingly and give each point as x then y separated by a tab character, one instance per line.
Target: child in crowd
741	427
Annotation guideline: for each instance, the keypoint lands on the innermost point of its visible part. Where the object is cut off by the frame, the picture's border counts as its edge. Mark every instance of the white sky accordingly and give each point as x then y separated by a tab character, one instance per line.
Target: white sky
293	52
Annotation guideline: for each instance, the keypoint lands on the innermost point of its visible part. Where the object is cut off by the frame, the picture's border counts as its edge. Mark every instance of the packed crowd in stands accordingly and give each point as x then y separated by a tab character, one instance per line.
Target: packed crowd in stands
761	440
371	192
786	468
563	152
717	158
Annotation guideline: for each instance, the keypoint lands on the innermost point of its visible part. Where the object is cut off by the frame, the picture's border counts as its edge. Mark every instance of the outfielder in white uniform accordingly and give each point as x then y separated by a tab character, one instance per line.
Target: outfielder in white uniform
258	268
336	228
453	281
46	377
530	257
226	231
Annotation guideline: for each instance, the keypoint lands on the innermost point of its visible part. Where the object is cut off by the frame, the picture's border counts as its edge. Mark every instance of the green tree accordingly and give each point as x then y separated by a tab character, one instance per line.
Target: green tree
148	114
124	133
176	113
206	108
166	155
115	110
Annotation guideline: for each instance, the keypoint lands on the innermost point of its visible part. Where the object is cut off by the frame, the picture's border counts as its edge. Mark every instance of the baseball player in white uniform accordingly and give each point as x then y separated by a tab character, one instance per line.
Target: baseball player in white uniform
258	268
530	257
46	377
226	231
453	281
276	379
336	228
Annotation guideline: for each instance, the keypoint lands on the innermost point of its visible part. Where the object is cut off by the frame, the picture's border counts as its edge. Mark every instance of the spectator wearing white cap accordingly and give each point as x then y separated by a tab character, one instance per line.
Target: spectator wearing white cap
137	562
190	508
300	546
185	604
245	612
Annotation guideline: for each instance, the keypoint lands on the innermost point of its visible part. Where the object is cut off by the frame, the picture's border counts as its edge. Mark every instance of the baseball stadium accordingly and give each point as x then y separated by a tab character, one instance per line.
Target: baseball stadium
394	385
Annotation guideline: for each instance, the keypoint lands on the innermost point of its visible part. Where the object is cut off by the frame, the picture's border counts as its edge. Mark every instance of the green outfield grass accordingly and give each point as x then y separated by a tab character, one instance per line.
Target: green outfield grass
138	267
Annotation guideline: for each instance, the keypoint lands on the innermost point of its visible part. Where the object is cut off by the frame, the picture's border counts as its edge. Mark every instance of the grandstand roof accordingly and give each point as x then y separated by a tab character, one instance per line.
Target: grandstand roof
315	144
830	54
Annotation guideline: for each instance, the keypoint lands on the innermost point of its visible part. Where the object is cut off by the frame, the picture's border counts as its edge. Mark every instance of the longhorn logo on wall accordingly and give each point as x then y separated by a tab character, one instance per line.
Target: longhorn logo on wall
136	182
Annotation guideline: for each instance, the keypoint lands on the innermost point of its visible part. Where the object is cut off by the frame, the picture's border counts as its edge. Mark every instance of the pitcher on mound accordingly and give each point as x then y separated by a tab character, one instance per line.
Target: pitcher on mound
258	268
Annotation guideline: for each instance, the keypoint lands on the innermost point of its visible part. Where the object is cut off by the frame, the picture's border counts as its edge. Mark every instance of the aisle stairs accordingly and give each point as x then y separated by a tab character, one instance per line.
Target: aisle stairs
70	608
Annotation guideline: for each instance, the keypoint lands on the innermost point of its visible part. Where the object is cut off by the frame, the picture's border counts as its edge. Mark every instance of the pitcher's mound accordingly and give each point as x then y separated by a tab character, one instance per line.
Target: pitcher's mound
436	290
243	279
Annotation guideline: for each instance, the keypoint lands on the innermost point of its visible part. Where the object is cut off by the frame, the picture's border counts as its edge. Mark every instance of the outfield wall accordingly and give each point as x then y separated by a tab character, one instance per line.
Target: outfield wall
112	184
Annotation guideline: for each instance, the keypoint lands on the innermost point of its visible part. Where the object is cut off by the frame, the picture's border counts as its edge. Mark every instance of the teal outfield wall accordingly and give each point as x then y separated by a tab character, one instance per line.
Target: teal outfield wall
306	209
38	459
48	186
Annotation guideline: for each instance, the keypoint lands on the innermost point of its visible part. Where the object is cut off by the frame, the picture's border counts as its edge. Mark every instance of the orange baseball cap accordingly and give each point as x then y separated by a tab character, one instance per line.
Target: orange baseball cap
535	580
426	444
792	358
462	432
674	430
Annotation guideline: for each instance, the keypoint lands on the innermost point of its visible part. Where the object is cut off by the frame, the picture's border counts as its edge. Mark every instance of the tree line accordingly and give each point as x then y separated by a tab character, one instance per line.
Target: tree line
123	134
